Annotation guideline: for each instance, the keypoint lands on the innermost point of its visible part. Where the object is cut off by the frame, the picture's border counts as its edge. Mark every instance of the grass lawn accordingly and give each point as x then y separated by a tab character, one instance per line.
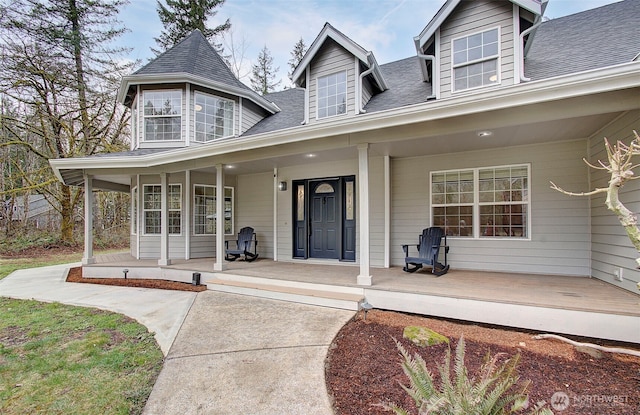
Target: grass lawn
59	359
8	265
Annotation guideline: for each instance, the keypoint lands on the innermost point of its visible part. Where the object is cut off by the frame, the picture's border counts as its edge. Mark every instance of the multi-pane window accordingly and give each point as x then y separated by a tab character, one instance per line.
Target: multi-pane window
162	115
213	117
332	94
204	210
487	202
152	205
475	60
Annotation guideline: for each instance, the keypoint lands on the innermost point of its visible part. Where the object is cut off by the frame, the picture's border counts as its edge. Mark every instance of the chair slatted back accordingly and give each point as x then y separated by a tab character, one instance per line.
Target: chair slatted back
430	241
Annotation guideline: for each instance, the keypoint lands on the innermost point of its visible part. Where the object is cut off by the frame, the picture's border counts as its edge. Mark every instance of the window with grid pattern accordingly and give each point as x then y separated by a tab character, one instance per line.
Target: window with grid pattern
162	115
475	60
488	202
213	117
332	94
152	205
204	210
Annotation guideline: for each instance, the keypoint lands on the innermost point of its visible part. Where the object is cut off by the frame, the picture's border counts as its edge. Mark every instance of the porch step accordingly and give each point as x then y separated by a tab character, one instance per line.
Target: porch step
289	292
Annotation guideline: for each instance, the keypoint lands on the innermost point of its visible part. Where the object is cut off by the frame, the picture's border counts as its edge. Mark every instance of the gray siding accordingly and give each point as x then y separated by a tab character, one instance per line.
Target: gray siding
611	248
472	17
331	58
251	115
560	236
254	207
367	91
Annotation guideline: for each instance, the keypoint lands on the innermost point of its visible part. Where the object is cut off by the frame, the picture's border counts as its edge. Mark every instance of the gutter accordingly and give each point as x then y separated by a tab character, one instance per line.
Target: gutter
362	75
522	35
432	59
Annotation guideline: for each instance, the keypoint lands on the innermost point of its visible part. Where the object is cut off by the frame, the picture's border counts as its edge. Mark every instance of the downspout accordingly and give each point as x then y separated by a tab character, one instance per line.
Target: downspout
432	59
522	35
362	75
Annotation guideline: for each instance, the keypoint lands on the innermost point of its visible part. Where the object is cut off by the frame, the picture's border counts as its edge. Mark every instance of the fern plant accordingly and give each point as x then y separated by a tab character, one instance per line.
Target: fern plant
497	391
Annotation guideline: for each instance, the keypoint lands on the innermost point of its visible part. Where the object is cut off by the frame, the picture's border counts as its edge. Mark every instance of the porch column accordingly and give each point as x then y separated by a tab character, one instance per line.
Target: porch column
219	265
364	278
387	211
88	257
186	218
275	213
164	220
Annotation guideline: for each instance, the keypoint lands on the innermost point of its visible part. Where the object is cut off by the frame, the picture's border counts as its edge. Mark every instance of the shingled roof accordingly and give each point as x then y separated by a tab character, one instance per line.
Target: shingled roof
193	55
596	38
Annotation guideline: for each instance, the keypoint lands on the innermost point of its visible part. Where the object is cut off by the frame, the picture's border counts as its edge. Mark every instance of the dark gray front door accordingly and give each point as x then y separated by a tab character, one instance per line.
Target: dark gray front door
325	219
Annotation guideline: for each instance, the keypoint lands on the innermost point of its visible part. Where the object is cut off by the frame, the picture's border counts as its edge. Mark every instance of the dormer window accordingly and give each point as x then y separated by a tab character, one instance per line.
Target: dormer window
213	117
332	94
162	115
475	60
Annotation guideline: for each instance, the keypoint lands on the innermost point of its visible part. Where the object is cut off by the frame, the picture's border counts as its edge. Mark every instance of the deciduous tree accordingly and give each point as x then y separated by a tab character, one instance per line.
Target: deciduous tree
62	78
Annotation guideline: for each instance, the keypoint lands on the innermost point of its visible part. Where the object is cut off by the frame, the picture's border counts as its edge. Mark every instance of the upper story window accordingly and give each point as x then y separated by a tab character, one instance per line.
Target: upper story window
162	115
332	94
214	117
483	203
475	60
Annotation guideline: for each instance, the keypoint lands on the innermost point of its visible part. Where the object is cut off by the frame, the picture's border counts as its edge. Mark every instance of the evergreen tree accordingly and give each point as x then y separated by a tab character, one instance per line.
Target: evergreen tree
181	17
299	49
263	73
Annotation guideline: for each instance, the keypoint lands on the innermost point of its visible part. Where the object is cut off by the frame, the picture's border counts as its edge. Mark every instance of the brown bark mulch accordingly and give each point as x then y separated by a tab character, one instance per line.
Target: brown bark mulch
363	366
75	275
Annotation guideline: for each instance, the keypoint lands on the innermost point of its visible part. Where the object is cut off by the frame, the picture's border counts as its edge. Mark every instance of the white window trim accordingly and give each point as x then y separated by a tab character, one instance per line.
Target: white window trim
233	204
346	94
477	226
233	117
144	116
497	57
143	218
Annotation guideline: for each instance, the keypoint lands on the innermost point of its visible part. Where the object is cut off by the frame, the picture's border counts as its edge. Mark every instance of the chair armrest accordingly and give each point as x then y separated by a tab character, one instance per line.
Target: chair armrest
405	248
226	244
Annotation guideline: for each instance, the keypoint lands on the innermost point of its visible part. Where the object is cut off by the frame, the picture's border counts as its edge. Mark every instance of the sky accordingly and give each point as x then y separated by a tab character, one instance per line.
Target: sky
385	27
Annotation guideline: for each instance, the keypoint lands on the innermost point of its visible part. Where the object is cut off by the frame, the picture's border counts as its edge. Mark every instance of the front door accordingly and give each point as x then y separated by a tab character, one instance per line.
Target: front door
324	219
324	222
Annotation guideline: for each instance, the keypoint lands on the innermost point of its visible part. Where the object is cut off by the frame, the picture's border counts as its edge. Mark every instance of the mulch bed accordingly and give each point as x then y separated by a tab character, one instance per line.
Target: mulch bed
363	366
75	275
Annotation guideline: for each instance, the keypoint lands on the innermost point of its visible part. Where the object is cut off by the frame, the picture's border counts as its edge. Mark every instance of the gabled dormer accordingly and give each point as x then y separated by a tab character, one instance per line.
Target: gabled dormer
338	75
188	96
472	45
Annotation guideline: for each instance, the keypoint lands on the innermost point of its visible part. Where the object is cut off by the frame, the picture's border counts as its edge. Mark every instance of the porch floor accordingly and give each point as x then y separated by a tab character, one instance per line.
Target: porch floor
547	291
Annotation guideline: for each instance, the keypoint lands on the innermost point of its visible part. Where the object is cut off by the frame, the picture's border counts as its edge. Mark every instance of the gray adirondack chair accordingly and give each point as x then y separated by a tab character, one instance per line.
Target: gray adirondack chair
429	244
244	244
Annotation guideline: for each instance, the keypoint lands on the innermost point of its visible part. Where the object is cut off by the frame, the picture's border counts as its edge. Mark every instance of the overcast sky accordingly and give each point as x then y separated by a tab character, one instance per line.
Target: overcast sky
385	27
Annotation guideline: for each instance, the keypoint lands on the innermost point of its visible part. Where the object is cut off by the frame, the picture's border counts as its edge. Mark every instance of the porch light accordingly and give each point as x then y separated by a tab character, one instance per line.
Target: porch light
365	306
485	133
282	186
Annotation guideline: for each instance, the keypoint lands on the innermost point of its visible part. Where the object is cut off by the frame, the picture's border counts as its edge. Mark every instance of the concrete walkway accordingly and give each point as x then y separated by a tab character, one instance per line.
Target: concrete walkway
161	311
232	354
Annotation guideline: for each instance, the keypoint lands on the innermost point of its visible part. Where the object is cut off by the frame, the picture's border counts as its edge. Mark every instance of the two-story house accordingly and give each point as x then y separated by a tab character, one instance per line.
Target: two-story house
360	156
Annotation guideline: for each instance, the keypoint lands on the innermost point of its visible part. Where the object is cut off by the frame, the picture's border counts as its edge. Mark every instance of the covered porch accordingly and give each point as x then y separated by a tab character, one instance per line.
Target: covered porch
571	305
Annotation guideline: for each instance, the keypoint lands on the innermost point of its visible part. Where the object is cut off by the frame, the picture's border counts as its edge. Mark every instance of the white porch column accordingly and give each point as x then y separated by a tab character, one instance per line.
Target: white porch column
219	265
387	211
88	257
275	213
164	220
186	217
364	278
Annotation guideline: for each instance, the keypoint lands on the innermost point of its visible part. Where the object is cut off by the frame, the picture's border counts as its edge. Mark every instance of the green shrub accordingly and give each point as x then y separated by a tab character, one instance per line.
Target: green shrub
497	391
